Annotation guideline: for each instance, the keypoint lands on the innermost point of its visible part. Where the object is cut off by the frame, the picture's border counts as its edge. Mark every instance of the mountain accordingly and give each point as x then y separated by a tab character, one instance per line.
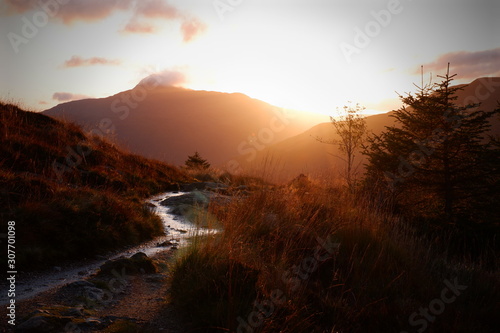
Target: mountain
303	153
169	123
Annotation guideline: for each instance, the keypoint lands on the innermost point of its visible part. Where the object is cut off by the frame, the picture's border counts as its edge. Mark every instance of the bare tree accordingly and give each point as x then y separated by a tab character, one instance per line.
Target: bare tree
350	126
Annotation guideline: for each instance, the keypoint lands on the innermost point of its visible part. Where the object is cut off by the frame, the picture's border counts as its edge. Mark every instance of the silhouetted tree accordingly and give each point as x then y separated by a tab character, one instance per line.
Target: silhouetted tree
196	162
350	126
438	154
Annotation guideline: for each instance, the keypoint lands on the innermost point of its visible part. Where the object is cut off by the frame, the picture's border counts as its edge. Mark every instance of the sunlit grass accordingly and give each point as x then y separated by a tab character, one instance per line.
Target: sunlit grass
379	270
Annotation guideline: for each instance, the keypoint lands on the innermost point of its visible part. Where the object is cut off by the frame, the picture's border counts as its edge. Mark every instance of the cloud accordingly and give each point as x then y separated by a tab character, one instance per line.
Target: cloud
66	96
468	65
135	27
143	11
156	9
159	9
88	10
77	61
164	78
191	28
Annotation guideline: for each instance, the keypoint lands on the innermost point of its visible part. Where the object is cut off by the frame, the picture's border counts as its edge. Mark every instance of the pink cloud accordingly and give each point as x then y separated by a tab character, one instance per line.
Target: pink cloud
77	61
468	65
156	9
66	96
88	10
143	11
191	28
135	27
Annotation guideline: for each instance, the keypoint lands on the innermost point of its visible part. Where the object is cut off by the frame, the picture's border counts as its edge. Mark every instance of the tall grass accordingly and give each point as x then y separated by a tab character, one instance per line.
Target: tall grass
314	258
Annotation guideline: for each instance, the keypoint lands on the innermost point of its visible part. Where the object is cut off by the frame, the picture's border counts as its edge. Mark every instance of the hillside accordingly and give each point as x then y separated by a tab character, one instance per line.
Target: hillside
169	123
73	195
304	154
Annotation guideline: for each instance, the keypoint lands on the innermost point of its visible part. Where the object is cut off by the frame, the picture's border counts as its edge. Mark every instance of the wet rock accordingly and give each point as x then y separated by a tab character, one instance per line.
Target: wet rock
139	263
185	204
166	243
192	198
200	186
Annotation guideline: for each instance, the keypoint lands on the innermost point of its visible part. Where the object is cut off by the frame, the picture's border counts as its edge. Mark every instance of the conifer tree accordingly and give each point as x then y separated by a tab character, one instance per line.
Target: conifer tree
438	154
196	162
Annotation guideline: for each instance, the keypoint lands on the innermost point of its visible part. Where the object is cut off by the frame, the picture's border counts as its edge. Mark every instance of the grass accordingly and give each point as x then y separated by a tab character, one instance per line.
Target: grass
71	194
312	258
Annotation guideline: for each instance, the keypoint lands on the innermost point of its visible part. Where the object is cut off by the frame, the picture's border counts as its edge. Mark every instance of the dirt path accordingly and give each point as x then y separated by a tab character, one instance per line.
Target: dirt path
145	302
117	302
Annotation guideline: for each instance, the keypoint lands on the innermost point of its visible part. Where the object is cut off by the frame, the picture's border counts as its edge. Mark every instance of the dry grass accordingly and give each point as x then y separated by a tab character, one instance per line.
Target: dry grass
378	275
71	194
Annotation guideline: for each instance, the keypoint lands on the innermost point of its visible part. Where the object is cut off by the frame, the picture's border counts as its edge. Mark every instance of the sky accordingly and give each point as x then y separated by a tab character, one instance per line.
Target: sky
308	55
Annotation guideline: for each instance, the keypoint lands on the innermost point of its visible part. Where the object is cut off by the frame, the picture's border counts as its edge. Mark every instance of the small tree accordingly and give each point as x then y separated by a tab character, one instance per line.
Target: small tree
196	162
350	126
438	155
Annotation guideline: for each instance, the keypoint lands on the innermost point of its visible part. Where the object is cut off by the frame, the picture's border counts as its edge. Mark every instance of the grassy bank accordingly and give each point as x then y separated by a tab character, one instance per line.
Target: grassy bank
311	258
71	194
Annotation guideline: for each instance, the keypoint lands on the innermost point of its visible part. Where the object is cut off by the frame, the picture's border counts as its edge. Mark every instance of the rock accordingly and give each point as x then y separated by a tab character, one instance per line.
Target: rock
91	321
36	324
138	263
139	256
185	204
79	284
73	312
166	243
44	322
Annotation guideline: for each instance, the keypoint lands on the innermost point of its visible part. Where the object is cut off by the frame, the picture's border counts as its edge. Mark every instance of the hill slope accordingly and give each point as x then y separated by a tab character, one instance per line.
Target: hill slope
72	195
168	123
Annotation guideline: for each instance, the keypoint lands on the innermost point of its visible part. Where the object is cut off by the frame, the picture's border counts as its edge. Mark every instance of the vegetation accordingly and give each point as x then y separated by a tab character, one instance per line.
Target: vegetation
350	126
311	257
320	259
439	166
73	195
197	162
414	250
